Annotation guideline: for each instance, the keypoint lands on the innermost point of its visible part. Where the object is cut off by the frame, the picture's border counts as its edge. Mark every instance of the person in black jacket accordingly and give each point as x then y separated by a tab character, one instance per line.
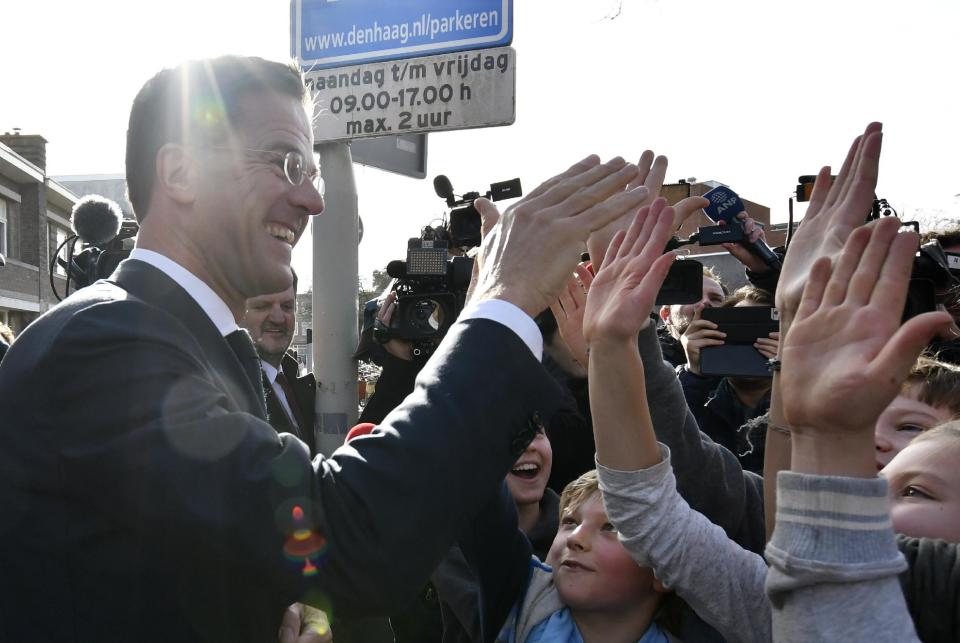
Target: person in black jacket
676	319
394	357
726	407
290	397
571	429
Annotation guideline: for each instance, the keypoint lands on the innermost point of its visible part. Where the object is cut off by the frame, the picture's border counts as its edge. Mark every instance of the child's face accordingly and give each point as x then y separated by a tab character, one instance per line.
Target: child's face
591	569
903	420
531	471
924	484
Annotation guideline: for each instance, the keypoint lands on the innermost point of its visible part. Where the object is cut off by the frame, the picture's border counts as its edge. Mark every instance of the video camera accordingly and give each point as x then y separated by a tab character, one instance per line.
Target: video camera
431	285
431	288
99	224
464	228
932	282
99	262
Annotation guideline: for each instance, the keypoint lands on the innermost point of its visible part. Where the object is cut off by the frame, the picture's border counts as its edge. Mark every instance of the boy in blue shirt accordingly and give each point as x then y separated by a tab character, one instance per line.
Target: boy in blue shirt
591	589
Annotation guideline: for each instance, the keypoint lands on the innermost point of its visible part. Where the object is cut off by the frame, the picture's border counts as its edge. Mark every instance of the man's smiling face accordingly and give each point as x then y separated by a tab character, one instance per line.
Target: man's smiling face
249	216
270	320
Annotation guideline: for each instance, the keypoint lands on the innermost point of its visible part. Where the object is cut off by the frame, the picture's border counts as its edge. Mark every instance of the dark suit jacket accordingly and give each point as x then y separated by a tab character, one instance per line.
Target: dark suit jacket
304	396
144	499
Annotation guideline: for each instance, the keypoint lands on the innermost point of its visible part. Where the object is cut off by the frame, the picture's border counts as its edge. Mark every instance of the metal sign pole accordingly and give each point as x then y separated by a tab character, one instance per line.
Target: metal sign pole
335	274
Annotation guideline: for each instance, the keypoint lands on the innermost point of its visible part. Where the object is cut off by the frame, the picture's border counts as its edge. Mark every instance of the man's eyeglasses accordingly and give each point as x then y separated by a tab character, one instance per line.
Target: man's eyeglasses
292	163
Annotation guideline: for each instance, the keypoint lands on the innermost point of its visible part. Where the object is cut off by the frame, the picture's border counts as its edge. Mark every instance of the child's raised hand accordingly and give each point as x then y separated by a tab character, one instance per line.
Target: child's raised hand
624	290
846	354
836	209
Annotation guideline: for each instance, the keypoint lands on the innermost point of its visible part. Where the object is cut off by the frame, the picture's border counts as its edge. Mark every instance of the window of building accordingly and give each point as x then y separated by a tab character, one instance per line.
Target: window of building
3	228
61	237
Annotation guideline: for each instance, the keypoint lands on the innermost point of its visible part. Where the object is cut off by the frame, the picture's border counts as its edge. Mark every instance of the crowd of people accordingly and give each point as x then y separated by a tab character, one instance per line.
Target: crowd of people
563	468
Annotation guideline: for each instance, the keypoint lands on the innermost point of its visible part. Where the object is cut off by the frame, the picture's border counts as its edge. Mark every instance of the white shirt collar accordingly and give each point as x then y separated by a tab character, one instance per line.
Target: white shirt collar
215	308
269	371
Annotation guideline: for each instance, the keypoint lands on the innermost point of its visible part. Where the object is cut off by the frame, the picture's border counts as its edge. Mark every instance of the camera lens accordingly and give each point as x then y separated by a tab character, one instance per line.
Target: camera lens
427	316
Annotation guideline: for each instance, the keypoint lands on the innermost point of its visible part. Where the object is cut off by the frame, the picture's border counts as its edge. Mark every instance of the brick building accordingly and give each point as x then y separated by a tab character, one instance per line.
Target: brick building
34	220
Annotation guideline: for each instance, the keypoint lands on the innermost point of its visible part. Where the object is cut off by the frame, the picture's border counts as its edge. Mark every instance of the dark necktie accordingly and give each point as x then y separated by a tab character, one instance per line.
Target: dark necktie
292	403
242	345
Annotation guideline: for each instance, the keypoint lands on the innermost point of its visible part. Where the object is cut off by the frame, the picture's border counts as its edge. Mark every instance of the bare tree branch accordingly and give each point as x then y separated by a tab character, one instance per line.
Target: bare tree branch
615	14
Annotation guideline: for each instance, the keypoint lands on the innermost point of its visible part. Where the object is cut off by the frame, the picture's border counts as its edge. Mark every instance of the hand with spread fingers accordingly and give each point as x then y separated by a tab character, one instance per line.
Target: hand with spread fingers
530	251
846	355
618	307
835	210
699	334
624	290
568	311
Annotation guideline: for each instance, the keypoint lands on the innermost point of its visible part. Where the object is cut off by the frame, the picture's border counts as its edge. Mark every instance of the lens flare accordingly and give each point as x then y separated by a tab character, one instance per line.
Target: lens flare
304	543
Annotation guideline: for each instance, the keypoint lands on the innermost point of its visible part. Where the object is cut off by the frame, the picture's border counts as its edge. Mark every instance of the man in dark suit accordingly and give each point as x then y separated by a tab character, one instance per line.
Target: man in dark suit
270	320
145	497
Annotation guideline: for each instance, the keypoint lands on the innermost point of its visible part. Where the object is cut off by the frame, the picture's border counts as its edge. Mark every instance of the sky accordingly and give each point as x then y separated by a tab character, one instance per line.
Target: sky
749	93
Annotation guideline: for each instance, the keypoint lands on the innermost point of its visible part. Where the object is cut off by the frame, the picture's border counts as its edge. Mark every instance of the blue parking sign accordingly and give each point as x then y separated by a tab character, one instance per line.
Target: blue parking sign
336	33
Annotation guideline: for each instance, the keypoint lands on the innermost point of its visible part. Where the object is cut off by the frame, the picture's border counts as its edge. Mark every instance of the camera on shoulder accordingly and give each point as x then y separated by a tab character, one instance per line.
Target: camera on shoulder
431	284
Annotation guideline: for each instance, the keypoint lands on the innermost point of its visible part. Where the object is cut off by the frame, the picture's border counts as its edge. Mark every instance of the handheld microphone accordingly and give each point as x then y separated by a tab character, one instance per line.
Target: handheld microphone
96	220
725	205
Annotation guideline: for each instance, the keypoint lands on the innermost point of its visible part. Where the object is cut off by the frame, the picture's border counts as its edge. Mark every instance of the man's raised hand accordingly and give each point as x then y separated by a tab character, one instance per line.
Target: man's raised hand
624	290
651	170
529	254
